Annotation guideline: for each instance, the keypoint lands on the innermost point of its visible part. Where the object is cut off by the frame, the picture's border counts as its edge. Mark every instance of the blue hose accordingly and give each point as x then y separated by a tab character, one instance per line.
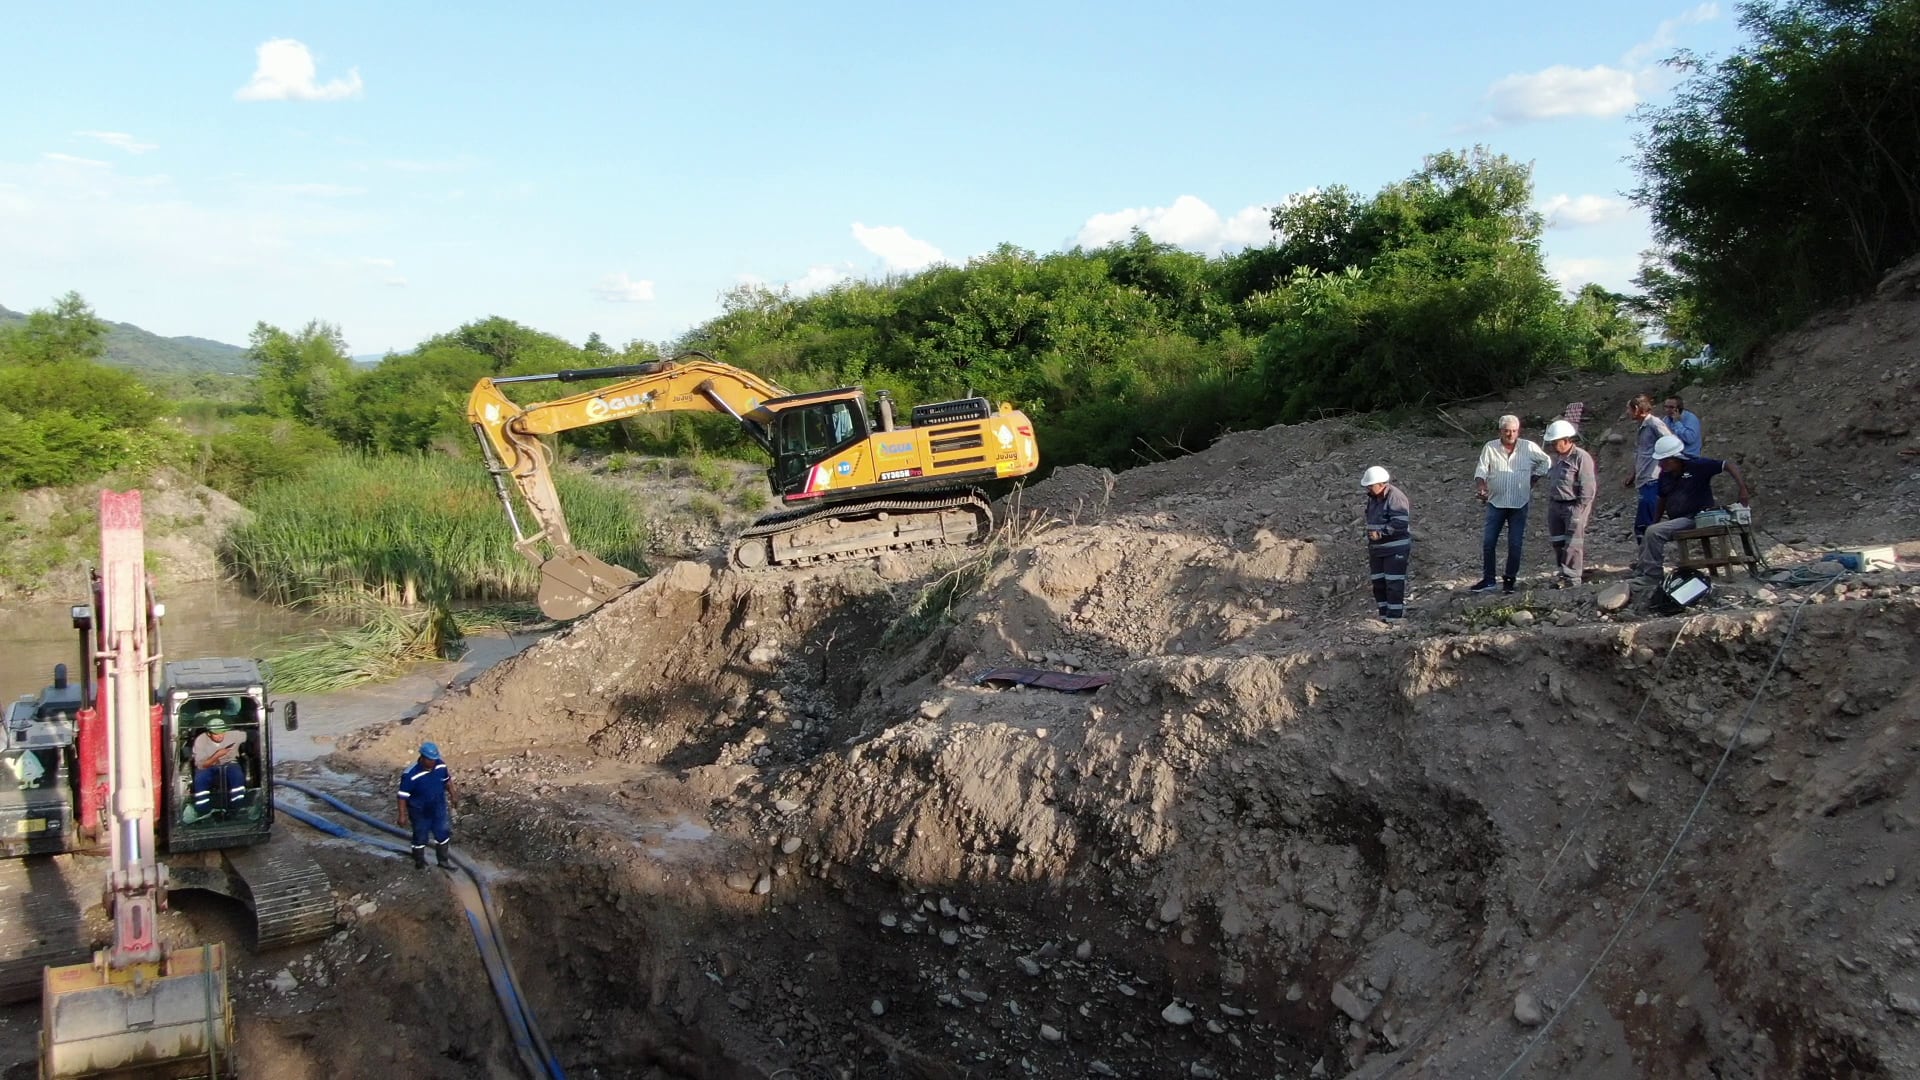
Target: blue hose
489	939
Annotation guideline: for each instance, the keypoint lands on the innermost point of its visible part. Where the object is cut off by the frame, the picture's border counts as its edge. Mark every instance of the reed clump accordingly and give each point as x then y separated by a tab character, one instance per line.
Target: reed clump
384	645
411	529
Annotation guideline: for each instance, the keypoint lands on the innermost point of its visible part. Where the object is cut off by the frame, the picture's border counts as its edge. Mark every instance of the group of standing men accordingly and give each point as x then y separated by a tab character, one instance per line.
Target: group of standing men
1673	479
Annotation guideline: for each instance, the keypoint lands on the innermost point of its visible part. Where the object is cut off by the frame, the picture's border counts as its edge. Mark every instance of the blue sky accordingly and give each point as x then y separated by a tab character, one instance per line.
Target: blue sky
398	170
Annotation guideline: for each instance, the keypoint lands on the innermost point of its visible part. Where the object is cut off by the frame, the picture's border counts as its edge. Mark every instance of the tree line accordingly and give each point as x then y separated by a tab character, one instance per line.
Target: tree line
1780	179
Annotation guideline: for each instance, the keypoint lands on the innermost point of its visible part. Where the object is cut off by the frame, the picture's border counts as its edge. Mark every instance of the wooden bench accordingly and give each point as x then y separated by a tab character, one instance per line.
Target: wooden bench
1712	549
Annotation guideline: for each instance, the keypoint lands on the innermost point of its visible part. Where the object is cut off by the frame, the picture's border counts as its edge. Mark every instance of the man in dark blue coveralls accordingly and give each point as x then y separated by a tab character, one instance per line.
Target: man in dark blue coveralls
425	787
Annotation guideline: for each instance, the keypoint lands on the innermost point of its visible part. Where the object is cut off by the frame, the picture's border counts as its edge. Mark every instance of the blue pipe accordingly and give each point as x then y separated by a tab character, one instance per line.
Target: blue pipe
527	1037
547	1057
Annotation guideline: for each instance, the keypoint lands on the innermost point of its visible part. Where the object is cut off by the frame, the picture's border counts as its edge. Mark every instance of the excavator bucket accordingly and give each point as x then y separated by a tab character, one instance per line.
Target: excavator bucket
575	583
166	1021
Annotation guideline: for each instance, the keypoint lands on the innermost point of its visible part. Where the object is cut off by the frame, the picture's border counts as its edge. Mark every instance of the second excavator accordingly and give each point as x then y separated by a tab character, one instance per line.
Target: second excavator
850	482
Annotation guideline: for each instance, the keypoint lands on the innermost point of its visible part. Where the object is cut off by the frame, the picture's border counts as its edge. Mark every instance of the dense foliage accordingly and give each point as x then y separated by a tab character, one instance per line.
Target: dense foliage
1787	176
64	416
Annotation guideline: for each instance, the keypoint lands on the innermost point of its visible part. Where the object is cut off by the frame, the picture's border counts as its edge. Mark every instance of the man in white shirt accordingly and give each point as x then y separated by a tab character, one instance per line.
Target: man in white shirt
1509	466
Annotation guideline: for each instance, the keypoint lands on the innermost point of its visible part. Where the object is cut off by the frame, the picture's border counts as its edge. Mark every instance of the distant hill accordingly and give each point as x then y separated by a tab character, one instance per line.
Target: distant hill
128	346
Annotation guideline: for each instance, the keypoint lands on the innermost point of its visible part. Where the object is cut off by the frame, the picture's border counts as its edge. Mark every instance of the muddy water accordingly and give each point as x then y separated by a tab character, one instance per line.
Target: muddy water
202	619
216	619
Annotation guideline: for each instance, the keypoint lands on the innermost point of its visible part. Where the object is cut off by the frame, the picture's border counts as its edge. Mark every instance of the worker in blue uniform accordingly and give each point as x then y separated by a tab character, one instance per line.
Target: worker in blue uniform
425	788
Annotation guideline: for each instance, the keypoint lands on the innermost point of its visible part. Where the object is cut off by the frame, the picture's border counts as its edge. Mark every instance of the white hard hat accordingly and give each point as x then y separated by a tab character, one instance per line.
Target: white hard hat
1668	446
1560	429
1374	475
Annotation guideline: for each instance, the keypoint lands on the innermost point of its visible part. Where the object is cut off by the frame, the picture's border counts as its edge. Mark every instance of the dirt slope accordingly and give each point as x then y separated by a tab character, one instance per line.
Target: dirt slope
772	827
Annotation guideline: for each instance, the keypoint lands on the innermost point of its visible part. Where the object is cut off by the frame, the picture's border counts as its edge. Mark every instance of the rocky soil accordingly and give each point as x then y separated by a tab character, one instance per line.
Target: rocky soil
772	826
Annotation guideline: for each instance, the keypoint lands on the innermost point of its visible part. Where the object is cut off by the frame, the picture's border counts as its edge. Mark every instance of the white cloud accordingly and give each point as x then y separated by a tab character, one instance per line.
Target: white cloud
69	159
379	261
120	140
1602	90
621	289
899	250
397	282
1615	274
820	278
1666	36
320	191
286	72
1563	91
402	165
1189	223
1575	211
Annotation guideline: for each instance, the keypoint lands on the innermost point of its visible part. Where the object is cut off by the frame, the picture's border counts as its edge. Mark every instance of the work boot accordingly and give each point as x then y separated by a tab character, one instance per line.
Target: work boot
446	857
419	856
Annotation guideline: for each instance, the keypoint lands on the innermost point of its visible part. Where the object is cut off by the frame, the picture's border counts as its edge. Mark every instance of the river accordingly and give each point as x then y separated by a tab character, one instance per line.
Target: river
217	619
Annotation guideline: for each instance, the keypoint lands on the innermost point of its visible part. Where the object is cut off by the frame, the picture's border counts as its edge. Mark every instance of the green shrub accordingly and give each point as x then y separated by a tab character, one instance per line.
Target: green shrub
258	450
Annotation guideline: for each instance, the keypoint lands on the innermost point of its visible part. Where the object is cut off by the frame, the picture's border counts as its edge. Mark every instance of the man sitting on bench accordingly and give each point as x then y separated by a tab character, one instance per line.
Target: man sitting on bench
1686	488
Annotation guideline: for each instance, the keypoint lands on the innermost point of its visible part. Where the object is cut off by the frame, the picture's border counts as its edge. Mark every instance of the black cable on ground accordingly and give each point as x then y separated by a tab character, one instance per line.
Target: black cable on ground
1626	921
532	1046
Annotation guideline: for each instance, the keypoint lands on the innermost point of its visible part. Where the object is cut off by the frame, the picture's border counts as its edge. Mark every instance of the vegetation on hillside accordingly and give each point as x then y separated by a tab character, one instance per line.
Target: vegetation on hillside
1780	179
1785	177
135	349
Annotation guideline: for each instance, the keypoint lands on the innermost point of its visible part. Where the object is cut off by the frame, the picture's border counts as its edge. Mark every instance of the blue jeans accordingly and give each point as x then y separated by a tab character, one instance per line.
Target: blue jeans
1649	501
1515	521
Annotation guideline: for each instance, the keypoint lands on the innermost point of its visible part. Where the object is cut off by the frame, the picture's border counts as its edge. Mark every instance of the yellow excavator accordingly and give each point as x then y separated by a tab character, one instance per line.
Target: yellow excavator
850	484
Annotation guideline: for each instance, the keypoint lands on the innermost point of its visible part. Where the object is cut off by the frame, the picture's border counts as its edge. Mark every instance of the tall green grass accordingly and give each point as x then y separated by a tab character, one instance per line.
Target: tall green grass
407	529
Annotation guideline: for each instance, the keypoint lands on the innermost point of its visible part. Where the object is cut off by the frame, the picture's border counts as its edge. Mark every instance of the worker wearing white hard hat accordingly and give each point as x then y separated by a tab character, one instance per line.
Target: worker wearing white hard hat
1571	489
1389	542
1686	488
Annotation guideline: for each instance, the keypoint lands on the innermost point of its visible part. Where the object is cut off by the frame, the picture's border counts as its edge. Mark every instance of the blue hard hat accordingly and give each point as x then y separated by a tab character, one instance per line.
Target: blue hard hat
430	751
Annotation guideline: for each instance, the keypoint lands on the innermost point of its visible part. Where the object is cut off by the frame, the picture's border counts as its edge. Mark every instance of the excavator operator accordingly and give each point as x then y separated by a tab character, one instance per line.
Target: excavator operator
216	759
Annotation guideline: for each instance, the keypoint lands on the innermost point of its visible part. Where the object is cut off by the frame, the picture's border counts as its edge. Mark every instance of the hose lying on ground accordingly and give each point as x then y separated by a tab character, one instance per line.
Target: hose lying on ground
482	919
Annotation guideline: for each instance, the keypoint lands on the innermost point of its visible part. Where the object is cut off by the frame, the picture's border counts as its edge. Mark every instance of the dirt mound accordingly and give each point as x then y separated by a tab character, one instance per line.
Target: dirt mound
781	829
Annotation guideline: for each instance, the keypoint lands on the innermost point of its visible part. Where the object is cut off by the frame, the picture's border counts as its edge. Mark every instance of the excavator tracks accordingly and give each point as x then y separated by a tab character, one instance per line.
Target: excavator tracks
861	530
43	904
49	905
292	900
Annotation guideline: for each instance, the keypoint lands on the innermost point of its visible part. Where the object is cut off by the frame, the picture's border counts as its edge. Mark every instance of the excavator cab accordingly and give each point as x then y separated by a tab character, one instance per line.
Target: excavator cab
215	725
217	782
808	429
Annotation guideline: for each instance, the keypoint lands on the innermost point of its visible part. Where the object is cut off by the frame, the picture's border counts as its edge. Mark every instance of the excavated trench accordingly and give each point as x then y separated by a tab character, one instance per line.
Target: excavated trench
779	832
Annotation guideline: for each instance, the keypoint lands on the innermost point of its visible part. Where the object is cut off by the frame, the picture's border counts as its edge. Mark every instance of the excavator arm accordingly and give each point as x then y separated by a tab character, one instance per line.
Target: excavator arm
572	581
140	1008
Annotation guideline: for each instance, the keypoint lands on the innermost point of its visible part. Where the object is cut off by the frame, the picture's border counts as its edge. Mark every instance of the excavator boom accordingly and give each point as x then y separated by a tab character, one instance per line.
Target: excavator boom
851	485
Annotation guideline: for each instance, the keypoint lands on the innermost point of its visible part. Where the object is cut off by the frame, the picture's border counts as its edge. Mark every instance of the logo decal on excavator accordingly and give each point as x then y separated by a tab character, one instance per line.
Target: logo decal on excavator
599	408
1005	435
896	448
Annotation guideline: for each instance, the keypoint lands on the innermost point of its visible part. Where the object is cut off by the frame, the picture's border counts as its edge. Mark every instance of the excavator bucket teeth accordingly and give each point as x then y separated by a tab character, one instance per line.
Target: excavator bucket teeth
572	585
173	1022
